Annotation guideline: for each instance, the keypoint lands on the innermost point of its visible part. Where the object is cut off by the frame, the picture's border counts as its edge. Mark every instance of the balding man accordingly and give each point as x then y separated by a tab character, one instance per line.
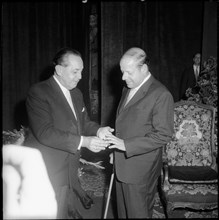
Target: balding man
144	124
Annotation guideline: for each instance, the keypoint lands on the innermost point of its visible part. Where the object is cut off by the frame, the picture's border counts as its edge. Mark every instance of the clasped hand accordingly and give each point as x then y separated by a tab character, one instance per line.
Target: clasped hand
105	139
115	142
96	144
103	132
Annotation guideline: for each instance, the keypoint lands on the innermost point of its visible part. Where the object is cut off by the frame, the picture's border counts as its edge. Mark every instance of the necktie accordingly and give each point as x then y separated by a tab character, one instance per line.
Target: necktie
130	95
196	73
68	97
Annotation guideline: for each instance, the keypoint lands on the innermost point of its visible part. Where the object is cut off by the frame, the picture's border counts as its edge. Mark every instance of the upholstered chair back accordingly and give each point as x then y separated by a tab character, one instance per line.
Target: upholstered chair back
189	154
192	143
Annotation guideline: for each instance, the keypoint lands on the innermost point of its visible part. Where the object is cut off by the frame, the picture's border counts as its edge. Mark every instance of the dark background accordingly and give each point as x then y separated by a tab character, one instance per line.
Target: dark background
170	33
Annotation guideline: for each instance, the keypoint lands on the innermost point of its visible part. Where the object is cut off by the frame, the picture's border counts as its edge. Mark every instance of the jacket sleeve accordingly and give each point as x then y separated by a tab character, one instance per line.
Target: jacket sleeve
41	123
90	127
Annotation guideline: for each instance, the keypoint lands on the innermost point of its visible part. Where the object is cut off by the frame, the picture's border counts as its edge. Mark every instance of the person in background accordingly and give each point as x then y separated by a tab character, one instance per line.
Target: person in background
190	75
27	190
60	127
144	125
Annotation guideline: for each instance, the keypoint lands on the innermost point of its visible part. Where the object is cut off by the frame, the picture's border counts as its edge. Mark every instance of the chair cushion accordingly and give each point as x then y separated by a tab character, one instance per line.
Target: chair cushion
194	174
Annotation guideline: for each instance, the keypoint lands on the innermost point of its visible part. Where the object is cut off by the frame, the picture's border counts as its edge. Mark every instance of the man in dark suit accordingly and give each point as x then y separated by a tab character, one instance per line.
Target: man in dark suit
190	75
144	124
60	126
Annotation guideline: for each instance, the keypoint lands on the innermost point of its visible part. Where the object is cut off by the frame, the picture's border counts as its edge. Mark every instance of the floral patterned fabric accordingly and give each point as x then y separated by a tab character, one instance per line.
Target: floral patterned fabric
205	90
192	143
190	156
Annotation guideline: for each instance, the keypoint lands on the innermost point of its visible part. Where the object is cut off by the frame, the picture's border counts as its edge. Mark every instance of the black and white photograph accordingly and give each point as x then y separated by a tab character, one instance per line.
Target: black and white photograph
109	109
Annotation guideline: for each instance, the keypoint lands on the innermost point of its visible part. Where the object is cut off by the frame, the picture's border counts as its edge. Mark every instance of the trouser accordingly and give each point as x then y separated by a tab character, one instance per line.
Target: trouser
66	198
74	164
135	200
66	201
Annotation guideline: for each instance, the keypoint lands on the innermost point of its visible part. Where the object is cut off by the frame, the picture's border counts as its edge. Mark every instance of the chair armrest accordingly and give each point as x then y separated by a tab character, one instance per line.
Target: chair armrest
166	173
215	161
165	178
216	156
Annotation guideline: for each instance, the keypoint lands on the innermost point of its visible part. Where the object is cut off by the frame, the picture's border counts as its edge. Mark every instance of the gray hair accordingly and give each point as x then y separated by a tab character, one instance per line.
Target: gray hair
138	55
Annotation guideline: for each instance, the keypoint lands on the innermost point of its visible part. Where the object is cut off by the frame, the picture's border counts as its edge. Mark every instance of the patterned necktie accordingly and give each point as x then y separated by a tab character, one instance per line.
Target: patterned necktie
68	97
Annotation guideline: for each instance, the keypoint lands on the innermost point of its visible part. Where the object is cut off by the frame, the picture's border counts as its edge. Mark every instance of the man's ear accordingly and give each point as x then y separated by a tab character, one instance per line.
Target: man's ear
58	69
144	68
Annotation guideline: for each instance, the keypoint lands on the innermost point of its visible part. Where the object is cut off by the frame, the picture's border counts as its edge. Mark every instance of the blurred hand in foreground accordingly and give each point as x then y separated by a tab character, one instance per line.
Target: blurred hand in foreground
27	190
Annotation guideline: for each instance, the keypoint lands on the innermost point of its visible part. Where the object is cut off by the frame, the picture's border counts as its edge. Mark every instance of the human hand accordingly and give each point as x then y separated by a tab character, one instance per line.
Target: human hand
115	142
27	191
94	144
104	131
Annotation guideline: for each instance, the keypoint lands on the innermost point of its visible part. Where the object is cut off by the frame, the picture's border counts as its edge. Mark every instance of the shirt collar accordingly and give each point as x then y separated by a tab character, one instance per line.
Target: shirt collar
145	79
64	90
196	67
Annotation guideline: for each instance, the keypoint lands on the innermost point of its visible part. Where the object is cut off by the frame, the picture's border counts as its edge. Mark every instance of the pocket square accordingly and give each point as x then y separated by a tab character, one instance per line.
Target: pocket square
83	109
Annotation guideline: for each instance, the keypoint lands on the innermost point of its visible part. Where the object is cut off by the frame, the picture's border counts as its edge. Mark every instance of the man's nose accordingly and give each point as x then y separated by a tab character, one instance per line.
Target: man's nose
79	75
124	76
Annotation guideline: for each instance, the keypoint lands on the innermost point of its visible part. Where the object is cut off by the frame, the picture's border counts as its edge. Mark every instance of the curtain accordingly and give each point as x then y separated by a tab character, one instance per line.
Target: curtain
31	35
209	43
169	32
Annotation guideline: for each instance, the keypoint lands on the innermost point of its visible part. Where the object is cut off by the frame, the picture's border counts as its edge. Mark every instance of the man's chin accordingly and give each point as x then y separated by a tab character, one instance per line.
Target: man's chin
72	87
129	86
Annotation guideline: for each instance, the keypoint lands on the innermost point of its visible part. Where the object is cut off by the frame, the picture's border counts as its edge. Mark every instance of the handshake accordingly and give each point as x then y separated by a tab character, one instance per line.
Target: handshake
104	139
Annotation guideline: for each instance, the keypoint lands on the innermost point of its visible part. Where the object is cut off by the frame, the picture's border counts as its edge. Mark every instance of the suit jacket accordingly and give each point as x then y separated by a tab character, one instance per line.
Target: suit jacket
146	125
188	80
55	130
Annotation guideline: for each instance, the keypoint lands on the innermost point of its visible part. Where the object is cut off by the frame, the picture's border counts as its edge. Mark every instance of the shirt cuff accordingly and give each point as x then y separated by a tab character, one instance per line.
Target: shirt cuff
98	132
79	146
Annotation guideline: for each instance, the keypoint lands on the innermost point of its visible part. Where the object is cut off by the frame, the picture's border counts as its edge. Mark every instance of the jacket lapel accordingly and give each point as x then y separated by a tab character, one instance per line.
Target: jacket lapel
74	98
138	95
123	99
61	98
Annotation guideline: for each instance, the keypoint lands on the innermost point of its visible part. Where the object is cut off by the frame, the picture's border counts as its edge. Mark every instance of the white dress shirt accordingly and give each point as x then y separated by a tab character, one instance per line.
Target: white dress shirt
196	71
67	95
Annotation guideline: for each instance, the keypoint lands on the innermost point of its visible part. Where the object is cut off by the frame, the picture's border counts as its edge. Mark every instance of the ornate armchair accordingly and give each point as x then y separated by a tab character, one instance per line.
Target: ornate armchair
190	168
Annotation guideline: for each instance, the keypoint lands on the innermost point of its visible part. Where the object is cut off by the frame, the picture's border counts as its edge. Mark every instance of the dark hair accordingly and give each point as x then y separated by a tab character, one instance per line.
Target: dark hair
59	58
196	54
